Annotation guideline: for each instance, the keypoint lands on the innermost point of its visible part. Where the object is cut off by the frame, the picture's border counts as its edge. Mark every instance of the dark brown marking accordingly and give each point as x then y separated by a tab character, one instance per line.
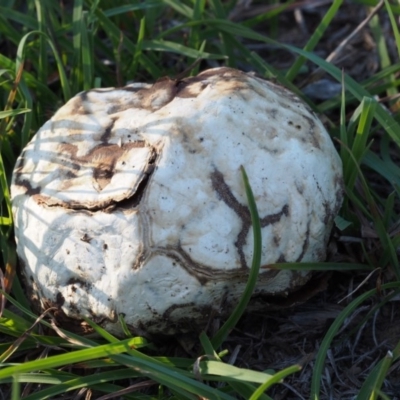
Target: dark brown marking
186	88
134	200
281	259
77	104
223	190
306	242
76	281
29	190
86	238
274	218
108	131
185	259
60	300
311	130
26	184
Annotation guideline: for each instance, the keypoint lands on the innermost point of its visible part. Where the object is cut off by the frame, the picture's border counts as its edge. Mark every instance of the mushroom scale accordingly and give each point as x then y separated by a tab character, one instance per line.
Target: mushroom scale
130	201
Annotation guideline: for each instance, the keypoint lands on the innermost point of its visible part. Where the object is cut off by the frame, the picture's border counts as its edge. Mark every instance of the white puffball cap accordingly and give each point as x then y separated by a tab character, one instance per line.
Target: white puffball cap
130	201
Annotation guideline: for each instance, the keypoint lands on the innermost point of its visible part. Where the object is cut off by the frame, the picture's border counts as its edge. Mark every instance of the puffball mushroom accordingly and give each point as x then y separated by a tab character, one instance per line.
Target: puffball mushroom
130	201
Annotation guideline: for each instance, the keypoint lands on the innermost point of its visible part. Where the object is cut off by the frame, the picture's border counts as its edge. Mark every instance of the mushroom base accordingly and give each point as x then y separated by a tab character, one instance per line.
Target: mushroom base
259	303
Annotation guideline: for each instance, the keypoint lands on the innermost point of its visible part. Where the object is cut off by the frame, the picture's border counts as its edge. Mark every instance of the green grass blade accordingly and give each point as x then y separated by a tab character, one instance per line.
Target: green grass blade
96	382
5	189
24	19
367	110
254	270
394	24
139	46
69	358
379	225
87	55
41	89
276	378
181	8
326	343
111	12
195	33
382	49
343	131
124	326
42	66
384	118
273	13
14	112
207	346
246	390
20	294
381	375
114	34
61	69
172	47
319	266
77	30
170	378
15	390
374	380
315	38
230	372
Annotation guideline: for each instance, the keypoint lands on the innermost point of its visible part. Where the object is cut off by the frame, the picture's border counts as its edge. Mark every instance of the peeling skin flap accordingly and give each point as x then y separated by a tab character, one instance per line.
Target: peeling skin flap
106	174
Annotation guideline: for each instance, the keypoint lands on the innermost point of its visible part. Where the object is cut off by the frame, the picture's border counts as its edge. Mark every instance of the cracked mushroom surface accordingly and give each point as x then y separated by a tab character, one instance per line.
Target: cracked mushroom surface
130	201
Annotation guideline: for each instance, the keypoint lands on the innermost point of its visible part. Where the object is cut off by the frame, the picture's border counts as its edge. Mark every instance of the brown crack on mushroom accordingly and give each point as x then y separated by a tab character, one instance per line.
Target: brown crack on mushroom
26	184
311	130
78	104
306	242
330	211
226	195
204	273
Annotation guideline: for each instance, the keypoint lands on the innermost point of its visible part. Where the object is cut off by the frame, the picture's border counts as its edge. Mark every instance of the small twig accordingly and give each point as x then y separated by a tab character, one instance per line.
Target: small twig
64	336
186	71
374	327
331	359
235	353
357	339
352	317
127	390
360	285
356	31
13	348
240	7
293	390
29	387
319	72
299	17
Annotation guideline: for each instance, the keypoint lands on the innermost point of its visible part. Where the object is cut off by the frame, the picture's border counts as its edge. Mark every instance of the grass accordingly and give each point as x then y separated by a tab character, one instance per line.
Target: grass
52	50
